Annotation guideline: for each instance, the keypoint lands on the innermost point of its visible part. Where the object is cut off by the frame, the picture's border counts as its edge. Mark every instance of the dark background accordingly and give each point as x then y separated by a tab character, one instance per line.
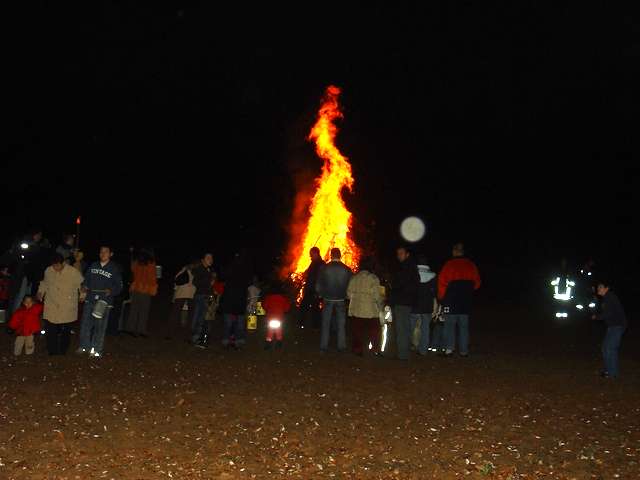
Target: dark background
184	127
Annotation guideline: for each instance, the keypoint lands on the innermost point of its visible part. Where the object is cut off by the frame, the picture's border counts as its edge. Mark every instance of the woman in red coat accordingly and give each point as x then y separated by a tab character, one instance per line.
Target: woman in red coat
25	322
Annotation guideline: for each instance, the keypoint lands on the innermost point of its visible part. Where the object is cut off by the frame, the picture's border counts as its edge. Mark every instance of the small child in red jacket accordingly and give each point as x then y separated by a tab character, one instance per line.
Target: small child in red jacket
275	305
25	322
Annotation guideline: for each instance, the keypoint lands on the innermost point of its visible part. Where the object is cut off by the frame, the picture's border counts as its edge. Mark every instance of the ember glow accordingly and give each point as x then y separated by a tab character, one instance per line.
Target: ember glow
329	223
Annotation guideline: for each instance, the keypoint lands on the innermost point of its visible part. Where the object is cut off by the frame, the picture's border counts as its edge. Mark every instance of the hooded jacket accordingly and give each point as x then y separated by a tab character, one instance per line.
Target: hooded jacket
99	278
365	295
26	321
426	291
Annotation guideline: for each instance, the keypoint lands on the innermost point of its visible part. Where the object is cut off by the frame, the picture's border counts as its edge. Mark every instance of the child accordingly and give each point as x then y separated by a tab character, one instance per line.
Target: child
25	321
275	305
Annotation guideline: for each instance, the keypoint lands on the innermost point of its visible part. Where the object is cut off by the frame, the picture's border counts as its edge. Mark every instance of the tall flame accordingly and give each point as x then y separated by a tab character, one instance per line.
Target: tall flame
329	223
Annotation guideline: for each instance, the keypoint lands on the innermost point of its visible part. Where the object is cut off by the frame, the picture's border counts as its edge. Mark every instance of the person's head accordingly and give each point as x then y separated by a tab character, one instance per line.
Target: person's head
57	262
68	239
458	250
207	259
366	264
422	259
603	288
402	254
335	253
105	253
36	234
314	253
27	301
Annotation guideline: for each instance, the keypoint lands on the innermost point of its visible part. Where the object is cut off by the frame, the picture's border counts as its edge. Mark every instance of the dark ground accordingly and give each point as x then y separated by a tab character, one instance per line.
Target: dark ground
528	404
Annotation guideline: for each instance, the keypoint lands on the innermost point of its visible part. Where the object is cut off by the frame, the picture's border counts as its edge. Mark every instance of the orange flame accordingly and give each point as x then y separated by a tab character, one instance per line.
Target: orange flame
329	223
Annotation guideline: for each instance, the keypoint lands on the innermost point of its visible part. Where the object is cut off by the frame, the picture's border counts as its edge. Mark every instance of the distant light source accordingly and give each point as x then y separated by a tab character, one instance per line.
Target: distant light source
412	229
24	246
275	324
592	305
562	315
579	307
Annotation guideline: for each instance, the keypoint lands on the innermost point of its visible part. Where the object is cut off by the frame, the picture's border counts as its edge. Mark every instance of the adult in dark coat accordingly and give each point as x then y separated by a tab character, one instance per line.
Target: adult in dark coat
310	304
404	292
233	304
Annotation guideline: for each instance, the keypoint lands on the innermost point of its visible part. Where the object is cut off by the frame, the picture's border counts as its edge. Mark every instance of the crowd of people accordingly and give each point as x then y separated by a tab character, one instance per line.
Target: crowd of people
429	312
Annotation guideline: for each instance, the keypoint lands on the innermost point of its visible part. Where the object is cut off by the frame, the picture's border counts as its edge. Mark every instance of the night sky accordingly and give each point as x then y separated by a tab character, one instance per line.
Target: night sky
184	127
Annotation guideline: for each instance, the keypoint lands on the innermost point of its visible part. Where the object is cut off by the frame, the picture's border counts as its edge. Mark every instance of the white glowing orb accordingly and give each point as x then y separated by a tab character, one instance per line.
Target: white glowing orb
412	229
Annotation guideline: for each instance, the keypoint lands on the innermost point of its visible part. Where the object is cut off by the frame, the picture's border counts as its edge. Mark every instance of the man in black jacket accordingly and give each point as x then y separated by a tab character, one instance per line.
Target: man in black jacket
332	284
404	293
310	304
203	278
613	316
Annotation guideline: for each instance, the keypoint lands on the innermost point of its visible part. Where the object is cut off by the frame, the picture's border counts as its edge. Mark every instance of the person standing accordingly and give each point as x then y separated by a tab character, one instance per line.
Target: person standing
457	282
332	282
404	292
613	315
25	321
203	278
183	293
59	290
365	303
424	307
103	282
310	304
143	287
233	303
66	249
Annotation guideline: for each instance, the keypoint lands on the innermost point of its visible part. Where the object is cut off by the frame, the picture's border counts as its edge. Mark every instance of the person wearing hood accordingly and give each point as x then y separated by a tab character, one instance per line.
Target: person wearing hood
423	307
365	304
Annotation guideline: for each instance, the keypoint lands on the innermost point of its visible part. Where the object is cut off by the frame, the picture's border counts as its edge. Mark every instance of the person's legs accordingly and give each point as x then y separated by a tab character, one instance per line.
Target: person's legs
64	335
450	322
436	336
401	314
423	342
414	322
373	333
52	337
463	327
357	326
99	331
341	323
17	346
325	328
197	323
241	330
610	347
227	328
29	345
134	313
86	326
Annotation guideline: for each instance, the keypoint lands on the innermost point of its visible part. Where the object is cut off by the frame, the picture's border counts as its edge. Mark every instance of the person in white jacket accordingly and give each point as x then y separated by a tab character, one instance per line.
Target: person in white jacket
365	296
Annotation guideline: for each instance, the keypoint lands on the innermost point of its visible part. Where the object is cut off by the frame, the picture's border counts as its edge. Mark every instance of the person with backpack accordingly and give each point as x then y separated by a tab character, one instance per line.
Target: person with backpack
183	293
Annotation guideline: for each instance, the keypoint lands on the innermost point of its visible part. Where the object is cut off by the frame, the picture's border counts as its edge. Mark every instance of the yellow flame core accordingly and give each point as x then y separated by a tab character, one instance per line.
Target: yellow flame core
329	223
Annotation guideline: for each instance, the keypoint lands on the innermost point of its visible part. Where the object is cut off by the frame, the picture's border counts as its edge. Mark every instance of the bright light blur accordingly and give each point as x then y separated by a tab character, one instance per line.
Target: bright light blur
412	229
275	324
579	307
562	315
592	305
24	246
